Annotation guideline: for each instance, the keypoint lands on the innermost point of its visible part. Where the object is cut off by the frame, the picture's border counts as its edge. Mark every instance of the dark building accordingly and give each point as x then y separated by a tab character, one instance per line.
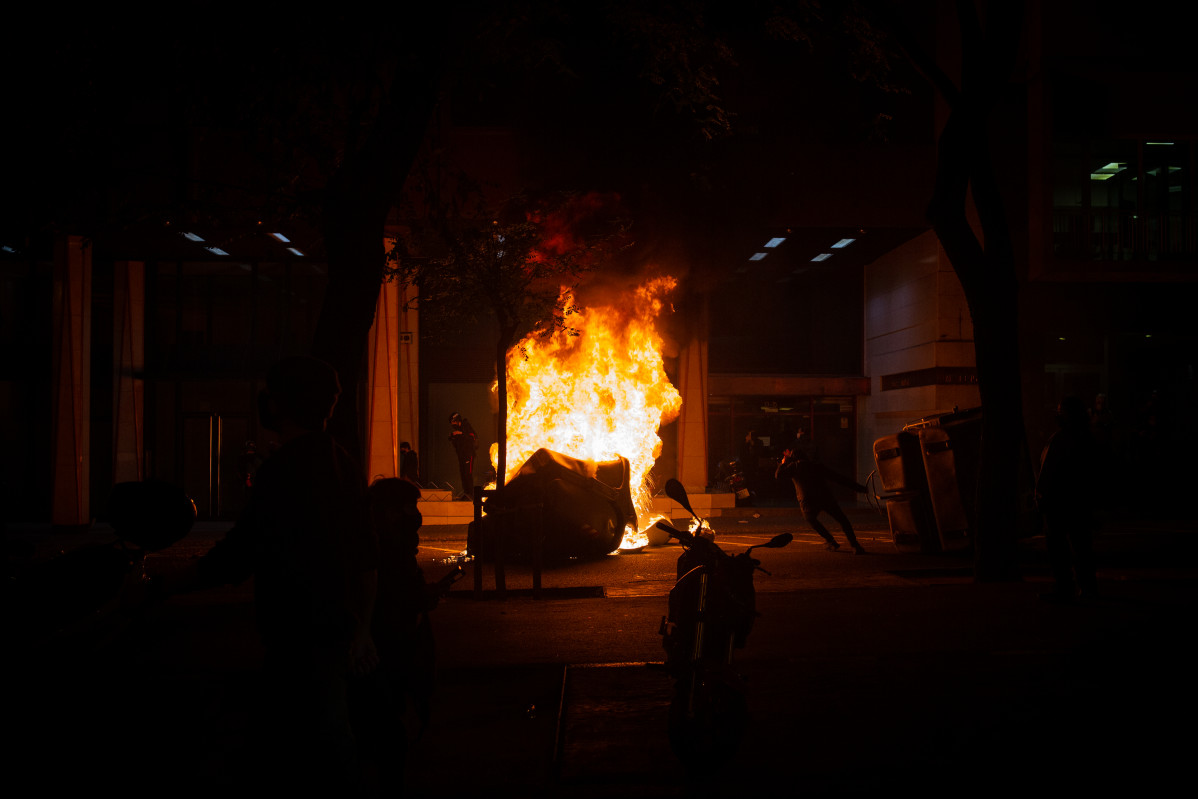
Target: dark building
141	356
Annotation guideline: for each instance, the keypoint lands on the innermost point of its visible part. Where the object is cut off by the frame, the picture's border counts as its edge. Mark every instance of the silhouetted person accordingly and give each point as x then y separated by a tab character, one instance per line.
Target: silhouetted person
749	456
409	464
465	442
802	444
1102	423
305	538
249	461
1154	455
1065	496
1111	476
811	489
748	453
401	633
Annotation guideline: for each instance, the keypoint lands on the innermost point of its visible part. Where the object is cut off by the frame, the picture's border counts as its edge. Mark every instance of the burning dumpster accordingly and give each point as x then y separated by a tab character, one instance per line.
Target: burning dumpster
573	508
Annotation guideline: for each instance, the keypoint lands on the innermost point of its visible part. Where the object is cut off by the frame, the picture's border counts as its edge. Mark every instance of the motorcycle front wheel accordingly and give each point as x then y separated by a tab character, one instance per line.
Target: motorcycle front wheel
707	722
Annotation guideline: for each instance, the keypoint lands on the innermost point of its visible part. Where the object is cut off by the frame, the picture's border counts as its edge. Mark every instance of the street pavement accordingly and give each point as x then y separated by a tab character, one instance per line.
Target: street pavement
878	672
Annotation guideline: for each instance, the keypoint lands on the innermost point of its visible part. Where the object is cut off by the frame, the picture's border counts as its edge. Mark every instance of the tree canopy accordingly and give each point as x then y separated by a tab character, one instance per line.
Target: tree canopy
513	268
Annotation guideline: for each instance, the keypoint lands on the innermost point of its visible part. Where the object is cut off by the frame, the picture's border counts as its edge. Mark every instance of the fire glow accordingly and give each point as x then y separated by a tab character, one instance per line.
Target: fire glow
597	395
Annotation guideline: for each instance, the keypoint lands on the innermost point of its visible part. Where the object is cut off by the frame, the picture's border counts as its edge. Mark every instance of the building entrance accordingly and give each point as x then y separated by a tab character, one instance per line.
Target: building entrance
829	424
216	467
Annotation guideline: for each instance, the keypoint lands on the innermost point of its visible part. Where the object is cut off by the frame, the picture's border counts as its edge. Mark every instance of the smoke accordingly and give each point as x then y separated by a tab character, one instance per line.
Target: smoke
580	222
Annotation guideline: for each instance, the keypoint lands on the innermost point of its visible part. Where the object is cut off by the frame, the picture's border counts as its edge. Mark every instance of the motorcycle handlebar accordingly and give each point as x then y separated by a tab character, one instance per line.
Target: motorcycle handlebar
674	532
690	540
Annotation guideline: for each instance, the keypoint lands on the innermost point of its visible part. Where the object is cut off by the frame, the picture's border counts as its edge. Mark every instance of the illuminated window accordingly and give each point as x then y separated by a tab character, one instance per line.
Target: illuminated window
1108	171
1122	199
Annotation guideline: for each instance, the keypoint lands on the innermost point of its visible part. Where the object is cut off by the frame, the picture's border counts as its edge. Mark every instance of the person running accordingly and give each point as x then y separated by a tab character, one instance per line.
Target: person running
811	489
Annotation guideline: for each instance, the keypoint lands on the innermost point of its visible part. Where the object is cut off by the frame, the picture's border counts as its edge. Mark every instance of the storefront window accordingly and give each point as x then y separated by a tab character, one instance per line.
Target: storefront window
828	422
230	318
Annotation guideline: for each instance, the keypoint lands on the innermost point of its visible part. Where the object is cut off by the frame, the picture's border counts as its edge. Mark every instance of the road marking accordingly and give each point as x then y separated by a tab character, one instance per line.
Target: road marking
637	591
454	551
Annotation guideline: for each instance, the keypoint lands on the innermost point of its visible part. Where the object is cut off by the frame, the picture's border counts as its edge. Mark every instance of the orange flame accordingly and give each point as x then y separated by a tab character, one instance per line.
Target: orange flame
597	395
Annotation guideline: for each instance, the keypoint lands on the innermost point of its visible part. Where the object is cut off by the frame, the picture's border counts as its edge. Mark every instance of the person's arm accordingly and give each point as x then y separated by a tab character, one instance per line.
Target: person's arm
230	562
783	464
836	477
363	559
1049	478
363	658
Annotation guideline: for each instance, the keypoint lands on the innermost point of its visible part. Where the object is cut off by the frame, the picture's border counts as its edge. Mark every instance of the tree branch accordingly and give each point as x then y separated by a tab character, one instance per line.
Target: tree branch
921	59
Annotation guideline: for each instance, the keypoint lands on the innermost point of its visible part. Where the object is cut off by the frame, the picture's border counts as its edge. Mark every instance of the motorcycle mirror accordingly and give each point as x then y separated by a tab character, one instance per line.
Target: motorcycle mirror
780	540
676	492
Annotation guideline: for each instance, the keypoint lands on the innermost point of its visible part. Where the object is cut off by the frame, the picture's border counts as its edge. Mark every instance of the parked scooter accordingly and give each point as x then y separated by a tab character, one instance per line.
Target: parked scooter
100	579
734	475
711	613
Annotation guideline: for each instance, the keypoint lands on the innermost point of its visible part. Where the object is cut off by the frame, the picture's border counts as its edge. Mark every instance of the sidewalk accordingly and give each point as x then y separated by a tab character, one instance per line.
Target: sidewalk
921	683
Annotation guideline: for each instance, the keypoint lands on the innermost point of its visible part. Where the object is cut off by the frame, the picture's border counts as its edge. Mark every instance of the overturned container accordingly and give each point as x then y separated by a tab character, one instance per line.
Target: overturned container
562	506
930	470
901	472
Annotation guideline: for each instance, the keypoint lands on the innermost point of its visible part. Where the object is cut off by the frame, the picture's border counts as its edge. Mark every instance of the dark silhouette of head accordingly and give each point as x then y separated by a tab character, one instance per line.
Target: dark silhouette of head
301	390
393	509
455	419
1071	414
802	445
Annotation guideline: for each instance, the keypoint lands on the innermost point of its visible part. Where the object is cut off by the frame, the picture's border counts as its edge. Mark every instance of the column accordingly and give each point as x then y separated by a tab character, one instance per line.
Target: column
128	363
409	368
71	382
382	441
692	422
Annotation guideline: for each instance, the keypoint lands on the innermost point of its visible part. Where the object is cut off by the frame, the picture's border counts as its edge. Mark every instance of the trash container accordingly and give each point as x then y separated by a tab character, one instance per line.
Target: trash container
950	446
900	469
568	508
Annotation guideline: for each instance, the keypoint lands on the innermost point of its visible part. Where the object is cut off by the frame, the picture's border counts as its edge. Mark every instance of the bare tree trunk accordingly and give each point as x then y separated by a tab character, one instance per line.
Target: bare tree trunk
501	431
987	273
987	277
502	345
356	203
353	243
986	267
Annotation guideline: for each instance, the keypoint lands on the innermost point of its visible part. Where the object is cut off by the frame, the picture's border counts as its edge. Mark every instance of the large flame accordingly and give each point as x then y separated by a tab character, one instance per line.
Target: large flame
596	395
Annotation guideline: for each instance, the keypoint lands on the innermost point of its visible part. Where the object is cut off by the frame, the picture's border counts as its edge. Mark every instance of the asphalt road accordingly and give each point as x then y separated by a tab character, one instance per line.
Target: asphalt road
651	571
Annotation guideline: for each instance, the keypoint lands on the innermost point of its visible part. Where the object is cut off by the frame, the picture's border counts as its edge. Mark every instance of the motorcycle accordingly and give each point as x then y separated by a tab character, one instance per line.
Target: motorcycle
712	607
733	474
